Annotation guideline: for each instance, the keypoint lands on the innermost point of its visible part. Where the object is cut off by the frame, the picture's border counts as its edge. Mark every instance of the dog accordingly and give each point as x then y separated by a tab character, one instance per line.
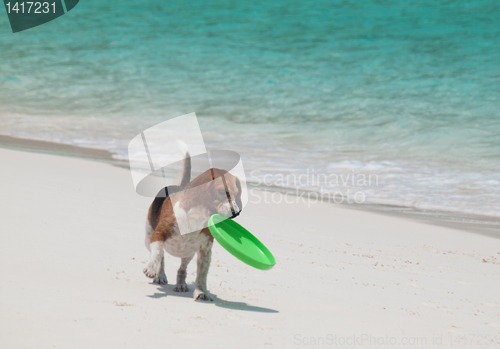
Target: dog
189	206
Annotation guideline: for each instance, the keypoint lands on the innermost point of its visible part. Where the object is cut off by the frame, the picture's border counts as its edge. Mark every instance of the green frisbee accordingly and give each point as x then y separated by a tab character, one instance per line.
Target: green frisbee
240	242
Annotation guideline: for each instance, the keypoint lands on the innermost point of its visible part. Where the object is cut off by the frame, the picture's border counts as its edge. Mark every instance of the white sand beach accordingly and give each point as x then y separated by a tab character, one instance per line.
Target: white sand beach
72	253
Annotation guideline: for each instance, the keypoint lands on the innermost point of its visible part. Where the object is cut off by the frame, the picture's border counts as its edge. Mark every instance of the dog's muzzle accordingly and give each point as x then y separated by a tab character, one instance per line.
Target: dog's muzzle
235	210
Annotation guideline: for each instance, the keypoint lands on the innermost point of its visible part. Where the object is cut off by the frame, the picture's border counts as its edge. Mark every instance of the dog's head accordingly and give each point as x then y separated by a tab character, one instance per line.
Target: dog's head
219	191
226	194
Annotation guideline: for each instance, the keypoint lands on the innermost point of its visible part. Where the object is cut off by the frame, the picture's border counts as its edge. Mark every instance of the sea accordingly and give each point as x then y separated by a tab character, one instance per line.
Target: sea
395	101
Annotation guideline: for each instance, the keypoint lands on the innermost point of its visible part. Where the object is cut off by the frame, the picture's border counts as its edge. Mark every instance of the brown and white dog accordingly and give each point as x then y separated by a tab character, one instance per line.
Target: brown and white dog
189	205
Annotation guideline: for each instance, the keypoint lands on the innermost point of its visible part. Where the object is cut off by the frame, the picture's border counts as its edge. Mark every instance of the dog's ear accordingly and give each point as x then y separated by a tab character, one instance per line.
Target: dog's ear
211	192
215	188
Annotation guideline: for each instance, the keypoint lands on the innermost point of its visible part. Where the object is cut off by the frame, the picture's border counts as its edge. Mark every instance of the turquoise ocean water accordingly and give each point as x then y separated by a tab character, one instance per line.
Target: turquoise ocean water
407	91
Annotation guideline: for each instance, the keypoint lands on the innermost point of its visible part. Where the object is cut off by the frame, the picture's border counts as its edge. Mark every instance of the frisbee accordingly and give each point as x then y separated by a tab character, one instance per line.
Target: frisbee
240	242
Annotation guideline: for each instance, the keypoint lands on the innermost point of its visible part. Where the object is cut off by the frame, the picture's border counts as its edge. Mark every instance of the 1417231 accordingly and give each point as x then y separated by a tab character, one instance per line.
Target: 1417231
30	7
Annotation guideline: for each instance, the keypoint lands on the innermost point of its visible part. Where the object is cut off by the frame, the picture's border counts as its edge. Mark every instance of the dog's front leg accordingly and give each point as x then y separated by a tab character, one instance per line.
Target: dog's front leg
154	267
203	263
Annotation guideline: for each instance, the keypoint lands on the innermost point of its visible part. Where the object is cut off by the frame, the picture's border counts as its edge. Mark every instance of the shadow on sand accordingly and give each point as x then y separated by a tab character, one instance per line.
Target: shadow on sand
168	290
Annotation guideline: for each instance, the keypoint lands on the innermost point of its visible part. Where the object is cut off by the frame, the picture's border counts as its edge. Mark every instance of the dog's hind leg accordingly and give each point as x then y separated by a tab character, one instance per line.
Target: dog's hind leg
162	277
149	234
155	264
181	275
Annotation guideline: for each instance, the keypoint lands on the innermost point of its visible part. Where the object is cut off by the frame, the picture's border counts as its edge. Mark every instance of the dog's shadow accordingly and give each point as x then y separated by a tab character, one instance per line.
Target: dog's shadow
168	290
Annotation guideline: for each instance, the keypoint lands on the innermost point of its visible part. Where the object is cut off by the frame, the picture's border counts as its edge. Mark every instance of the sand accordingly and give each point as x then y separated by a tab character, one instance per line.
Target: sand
72	252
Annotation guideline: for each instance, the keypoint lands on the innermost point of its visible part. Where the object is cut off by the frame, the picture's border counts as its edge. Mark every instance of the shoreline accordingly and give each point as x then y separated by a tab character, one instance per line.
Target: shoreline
53	148
486	225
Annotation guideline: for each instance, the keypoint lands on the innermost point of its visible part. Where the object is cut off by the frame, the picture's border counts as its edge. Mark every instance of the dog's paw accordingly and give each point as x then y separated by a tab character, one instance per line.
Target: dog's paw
152	271
161	280
181	288
199	295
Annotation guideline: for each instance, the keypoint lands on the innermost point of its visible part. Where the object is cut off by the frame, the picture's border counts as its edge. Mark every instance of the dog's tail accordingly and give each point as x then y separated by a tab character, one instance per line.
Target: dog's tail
186	174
